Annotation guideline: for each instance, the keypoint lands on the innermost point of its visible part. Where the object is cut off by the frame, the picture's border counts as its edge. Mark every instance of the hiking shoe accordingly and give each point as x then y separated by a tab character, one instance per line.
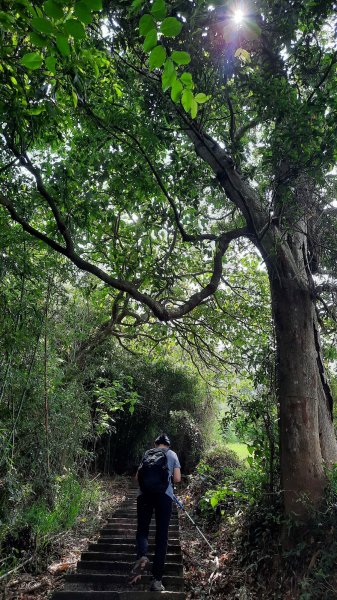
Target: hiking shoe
141	565
157	586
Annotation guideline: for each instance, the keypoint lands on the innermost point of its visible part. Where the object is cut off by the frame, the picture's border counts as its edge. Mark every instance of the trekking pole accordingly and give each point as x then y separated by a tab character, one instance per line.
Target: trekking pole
178	503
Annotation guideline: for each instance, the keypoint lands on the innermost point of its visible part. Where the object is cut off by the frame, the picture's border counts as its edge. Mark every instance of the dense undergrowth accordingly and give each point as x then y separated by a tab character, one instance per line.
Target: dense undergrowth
262	555
33	523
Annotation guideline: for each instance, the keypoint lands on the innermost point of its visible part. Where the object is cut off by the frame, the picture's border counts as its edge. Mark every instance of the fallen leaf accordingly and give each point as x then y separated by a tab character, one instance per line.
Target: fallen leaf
60	567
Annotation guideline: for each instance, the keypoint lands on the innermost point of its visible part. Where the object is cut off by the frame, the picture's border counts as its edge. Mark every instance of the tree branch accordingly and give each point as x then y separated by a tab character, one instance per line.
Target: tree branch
125	286
27	164
185	236
242	130
323	78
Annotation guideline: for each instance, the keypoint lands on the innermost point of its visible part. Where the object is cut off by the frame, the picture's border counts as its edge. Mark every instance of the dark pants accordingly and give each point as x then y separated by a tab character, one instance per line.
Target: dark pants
161	504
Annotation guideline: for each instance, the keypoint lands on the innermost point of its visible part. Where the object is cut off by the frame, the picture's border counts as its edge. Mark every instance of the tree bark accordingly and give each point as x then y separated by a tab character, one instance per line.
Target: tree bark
307	439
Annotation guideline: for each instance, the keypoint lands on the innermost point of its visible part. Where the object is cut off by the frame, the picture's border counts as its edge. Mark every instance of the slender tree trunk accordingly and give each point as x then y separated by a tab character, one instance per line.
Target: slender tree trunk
307	438
45	369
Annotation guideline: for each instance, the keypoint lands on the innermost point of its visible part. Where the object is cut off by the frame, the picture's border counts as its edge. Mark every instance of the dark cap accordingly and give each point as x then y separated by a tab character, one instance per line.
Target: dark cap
163	438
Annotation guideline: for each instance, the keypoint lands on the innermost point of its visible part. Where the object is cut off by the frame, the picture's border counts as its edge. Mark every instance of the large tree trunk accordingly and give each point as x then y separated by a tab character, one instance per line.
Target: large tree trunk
307	438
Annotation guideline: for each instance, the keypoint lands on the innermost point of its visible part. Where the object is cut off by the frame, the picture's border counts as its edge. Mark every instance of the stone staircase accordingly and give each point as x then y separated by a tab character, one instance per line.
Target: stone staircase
103	569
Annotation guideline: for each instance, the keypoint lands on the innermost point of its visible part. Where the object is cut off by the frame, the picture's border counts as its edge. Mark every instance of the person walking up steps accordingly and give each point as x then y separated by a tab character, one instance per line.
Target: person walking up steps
158	468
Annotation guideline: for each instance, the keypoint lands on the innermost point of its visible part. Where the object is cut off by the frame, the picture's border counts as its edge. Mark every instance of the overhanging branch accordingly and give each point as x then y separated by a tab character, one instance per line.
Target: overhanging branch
156	307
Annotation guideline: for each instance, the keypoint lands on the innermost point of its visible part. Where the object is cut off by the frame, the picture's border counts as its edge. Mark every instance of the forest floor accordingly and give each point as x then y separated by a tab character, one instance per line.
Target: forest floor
45	573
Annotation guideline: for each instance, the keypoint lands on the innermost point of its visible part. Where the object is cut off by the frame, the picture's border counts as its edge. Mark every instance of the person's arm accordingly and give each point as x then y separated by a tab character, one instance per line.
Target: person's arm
176	475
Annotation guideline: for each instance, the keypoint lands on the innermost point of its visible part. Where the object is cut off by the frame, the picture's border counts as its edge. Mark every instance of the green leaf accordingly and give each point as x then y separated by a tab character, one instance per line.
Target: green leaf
62	44
6	21
243	55
194	108
75	98
169	75
83	13
186	99
37	39
32	61
157	57
53	10
94	4
159	9
36	111
146	23
75	28
50	63
96	69
201	98
181	58
42	25
150	40
214	501
136	5
187	80
171	27
177	88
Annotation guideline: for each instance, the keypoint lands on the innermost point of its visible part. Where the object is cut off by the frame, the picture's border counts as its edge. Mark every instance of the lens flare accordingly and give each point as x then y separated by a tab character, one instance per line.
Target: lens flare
238	16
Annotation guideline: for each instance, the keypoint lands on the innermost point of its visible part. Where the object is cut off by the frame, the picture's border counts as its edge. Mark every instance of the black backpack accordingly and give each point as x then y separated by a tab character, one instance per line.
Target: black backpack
153	473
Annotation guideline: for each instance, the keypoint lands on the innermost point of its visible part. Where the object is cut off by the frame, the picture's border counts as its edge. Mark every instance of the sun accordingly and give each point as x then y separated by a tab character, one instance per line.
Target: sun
238	16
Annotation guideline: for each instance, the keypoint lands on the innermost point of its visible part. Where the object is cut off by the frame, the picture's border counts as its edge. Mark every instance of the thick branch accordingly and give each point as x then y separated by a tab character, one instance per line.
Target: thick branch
158	309
27	164
242	130
124	286
245	198
213	284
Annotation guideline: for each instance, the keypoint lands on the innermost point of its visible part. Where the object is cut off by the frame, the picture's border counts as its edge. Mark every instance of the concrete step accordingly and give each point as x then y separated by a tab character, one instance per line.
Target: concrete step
110	595
133	520
131	531
124	556
110	539
127	517
103	546
133	525
102	572
122	567
109	581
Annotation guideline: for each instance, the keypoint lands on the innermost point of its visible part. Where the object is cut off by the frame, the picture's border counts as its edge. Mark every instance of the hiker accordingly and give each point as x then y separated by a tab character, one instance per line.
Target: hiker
158	468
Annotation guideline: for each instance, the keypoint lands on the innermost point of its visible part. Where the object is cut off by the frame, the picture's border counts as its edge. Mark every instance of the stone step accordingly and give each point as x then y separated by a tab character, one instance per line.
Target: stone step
133	517
103	546
119	524
102	572
132	530
108	581
110	595
124	556
122	567
109	539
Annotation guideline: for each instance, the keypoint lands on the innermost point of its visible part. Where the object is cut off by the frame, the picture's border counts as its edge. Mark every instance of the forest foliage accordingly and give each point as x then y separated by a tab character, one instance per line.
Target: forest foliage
167	190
